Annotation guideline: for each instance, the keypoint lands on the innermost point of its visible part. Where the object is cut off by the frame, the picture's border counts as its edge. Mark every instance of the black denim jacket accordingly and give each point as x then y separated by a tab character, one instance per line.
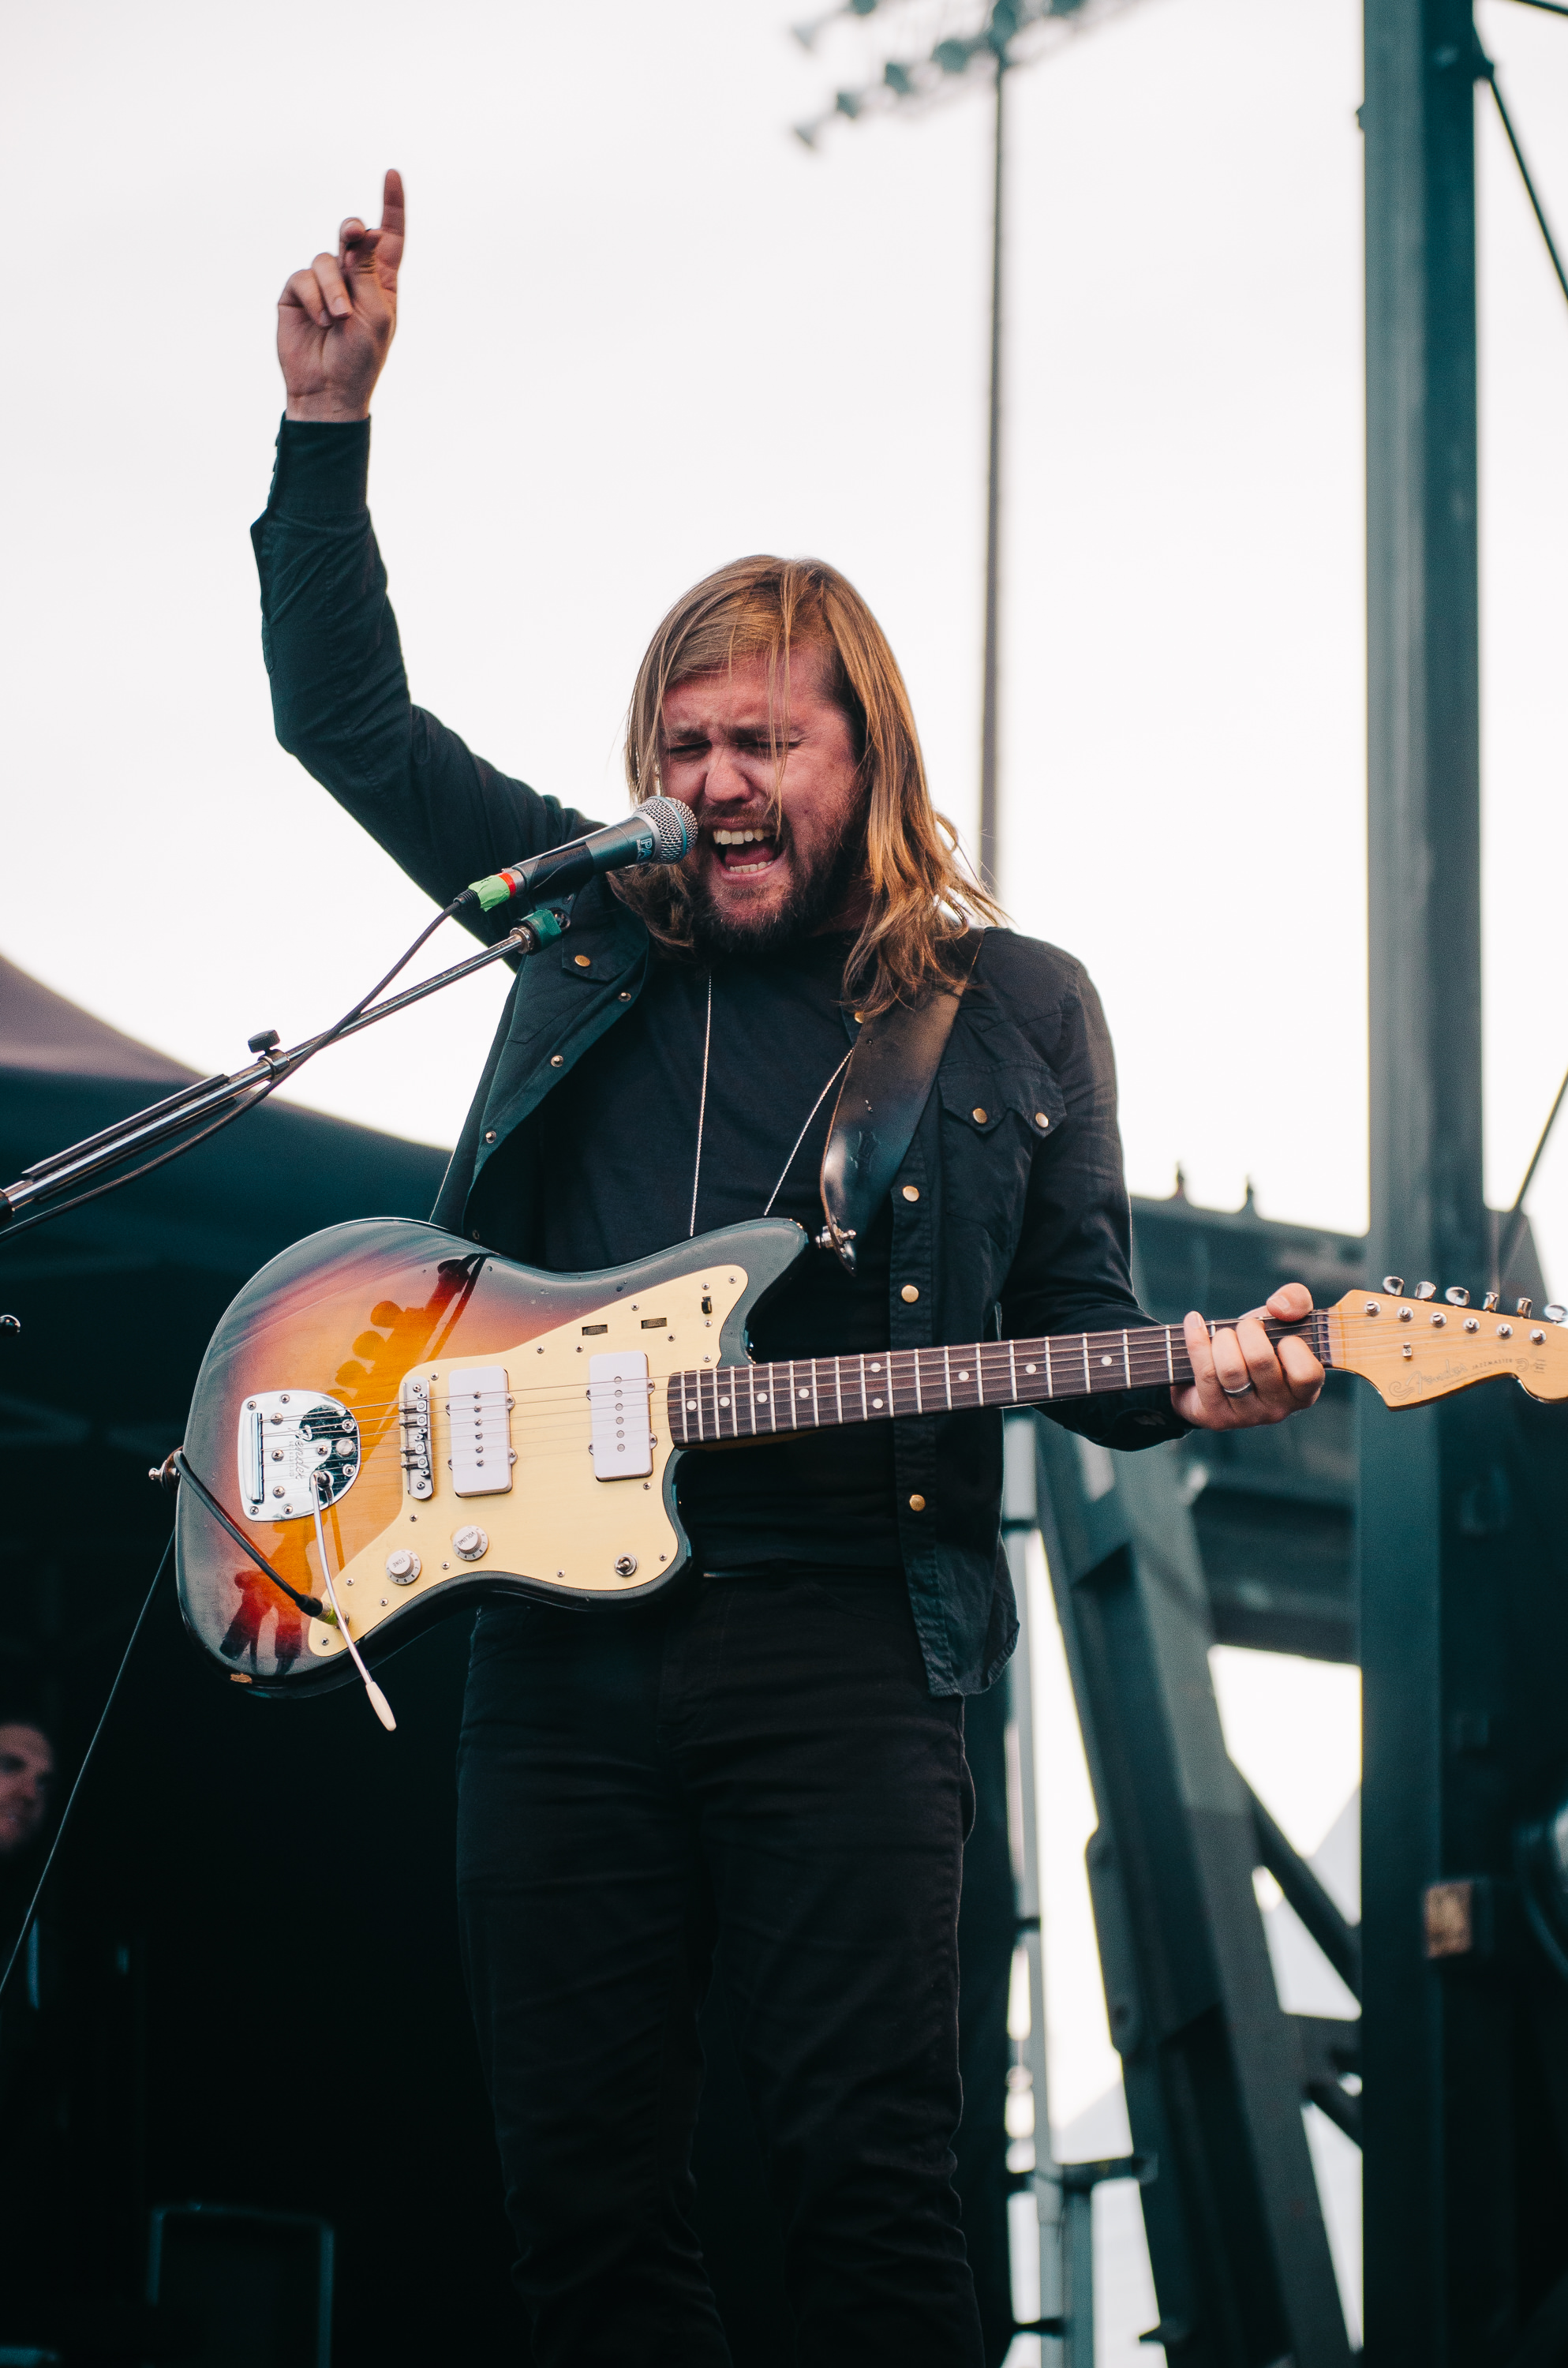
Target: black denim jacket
1021	1223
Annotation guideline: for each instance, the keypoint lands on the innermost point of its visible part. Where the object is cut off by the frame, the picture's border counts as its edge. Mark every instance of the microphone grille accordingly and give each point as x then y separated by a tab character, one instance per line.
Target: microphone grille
674	827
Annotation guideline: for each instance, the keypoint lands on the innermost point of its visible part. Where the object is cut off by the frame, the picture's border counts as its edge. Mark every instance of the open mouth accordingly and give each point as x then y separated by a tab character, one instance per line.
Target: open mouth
745	852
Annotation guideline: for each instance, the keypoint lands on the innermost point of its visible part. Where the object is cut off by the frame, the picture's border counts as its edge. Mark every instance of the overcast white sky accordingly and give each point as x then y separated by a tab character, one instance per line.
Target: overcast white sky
644	329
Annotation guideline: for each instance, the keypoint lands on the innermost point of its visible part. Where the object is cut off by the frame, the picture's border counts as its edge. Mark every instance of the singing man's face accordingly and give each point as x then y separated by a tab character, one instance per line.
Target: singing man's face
26	1770
762	877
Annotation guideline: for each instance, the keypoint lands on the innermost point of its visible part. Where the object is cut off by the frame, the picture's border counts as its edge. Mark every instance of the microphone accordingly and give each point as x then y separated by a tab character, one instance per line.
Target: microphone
660	831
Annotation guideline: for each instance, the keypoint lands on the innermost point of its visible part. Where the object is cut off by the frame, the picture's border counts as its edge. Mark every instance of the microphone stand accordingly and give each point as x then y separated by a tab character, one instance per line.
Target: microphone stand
195	1112
209	1102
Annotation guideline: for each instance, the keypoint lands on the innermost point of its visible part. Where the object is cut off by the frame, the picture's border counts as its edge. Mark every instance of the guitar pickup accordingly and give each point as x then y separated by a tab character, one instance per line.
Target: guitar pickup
618	1401
479	1426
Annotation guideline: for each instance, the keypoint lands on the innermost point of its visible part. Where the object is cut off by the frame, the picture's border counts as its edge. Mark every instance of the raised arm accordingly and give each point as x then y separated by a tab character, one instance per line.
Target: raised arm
340	698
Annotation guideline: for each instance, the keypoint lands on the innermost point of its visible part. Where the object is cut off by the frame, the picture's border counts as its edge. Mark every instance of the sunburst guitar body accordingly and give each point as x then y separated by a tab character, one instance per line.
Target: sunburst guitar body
444	1393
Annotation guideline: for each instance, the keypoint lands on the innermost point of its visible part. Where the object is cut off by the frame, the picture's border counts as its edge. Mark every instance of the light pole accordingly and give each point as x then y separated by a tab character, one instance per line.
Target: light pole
990	861
960	60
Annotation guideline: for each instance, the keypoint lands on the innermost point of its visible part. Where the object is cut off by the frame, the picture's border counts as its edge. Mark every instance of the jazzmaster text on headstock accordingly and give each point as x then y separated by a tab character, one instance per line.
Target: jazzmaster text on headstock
1415	1349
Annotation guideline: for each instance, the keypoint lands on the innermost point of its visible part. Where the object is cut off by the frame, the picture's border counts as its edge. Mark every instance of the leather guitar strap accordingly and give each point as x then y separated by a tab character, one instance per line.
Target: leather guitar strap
887	1085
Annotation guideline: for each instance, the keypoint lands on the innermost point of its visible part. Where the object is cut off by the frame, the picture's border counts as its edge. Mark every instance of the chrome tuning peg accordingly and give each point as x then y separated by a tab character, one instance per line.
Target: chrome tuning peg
1457	1295
1394	1283
1425	1291
1554	1312
1523	1306
1489	1304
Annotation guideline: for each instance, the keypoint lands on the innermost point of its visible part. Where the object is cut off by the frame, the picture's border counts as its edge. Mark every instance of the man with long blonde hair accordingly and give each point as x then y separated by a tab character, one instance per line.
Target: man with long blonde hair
763	1771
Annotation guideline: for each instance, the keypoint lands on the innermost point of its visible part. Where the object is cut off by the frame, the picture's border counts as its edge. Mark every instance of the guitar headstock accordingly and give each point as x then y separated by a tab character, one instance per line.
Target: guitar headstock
1419	1348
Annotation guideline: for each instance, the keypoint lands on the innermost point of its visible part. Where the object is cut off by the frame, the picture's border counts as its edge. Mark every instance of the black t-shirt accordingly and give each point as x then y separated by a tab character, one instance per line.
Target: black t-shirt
619	1146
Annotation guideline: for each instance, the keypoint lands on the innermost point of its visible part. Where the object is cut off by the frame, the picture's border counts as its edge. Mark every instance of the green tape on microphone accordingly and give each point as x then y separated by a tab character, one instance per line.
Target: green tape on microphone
497	890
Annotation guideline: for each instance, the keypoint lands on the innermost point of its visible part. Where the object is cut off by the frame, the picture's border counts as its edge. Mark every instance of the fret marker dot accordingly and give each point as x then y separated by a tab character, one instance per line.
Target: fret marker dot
691	1406
876	1402
1030	1369
964	1377
723	1401
805	1393
876	1368
1104	1360
762	1397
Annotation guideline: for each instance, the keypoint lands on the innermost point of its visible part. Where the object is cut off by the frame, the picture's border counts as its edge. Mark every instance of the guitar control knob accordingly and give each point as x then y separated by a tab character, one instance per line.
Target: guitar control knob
403	1567
470	1542
1457	1295
1425	1291
1394	1283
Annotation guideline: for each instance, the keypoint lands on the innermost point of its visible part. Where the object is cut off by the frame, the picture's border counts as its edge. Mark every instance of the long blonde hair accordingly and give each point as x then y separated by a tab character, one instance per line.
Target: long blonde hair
922	897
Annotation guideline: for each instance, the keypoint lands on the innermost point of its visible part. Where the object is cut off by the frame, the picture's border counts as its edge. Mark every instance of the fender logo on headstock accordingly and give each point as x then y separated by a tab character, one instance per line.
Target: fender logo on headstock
1412	1351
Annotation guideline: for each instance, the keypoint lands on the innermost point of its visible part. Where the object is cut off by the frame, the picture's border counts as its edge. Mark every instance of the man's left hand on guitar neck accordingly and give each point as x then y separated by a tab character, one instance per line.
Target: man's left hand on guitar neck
1240	1377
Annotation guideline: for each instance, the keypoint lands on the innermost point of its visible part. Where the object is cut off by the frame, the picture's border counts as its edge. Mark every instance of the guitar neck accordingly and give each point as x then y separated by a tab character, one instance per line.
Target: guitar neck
729	1402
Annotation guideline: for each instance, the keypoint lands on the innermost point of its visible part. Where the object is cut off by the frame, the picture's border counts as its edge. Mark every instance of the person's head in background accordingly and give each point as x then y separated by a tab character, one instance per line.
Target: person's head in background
27	1775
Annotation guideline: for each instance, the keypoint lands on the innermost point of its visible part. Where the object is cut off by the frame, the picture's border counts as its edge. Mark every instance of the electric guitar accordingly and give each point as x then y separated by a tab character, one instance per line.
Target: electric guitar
390	1422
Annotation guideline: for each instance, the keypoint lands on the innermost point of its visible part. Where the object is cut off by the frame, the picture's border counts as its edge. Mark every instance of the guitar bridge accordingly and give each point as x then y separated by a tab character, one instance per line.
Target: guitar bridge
413	1419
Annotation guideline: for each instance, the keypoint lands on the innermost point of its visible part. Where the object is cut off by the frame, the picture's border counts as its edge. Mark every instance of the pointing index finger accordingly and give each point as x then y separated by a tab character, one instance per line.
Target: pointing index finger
392	217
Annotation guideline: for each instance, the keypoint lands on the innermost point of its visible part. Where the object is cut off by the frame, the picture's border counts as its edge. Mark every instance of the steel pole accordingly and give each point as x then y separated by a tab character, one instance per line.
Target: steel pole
1428	1218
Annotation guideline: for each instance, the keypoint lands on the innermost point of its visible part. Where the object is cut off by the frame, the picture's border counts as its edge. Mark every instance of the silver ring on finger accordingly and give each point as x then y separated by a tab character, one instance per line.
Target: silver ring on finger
1242	1392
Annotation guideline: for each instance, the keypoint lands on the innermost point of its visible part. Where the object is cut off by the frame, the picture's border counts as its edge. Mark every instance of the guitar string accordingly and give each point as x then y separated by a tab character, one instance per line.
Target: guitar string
1145	1343
991	1389
801	1411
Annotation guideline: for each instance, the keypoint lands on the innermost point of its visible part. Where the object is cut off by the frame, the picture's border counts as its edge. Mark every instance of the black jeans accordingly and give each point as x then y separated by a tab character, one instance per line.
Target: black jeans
752	1774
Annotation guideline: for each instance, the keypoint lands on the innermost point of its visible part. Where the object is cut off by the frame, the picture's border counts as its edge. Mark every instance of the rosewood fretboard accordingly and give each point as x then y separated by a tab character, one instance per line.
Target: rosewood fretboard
818	1393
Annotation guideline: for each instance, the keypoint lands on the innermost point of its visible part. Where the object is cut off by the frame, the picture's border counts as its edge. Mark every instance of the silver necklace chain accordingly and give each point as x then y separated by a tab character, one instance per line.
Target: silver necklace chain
702	1118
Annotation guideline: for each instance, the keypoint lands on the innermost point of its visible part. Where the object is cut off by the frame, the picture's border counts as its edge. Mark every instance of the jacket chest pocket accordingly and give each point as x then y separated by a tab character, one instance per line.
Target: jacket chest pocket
995	1123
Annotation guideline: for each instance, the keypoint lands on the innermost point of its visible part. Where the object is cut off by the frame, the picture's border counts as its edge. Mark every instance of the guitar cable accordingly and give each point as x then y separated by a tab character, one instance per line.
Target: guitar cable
81	1773
310	1604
